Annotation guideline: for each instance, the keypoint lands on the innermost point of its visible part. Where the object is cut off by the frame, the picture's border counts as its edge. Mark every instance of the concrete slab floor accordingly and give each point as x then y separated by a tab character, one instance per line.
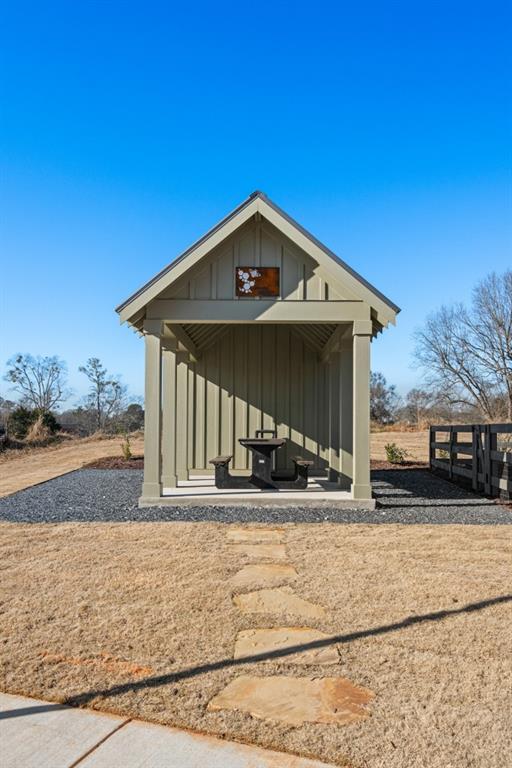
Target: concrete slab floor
40	734
202	490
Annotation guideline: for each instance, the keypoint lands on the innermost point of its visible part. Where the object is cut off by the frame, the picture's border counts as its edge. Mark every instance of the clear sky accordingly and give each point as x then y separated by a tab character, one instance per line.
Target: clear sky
128	129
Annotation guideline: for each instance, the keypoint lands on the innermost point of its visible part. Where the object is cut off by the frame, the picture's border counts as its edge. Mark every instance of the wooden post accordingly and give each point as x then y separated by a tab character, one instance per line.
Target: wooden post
450	458
474	457
182	416
431	448
361	488
487	460
493	446
152	487
169	478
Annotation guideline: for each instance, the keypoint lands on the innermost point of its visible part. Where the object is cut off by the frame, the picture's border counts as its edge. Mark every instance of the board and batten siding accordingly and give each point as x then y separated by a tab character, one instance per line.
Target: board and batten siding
256	244
263	377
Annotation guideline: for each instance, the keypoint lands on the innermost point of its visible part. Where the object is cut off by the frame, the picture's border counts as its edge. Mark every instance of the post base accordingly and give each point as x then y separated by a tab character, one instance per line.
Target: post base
151	490
361	491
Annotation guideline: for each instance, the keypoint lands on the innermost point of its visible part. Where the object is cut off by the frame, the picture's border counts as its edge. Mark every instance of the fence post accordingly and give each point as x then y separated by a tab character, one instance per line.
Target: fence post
493	446
487	460
450	459
474	457
431	450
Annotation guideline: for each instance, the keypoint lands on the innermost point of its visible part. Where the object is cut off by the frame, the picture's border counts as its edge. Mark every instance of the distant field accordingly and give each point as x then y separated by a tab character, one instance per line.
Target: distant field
20	469
415	443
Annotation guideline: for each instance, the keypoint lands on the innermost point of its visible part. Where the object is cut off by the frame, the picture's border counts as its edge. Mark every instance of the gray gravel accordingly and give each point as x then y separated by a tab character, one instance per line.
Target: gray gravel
95	495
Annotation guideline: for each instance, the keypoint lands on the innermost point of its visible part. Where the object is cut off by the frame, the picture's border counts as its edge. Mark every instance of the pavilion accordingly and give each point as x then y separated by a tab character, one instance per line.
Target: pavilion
256	326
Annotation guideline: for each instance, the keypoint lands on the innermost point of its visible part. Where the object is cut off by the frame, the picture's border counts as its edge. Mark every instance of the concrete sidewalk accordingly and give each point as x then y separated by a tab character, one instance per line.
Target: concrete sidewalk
39	734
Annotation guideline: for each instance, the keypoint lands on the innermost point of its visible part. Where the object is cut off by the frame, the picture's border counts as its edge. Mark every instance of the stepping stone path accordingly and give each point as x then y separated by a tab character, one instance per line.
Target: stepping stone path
251	642
253	535
283	698
279	601
261	551
269	574
295	700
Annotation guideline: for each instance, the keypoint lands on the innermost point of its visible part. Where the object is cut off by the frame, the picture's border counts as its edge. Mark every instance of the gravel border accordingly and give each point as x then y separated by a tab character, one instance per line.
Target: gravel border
96	495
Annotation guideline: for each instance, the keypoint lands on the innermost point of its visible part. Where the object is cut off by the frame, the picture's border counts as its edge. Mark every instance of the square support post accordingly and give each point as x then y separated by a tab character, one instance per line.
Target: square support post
362	333
346	413
169	477
334	418
182	406
152	487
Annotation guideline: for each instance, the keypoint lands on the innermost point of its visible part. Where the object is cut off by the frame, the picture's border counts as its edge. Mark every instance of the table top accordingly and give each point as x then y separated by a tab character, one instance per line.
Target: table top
277	442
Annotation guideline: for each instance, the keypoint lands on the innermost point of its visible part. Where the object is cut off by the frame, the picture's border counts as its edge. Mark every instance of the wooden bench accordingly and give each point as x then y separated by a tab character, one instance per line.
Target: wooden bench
301	471
222	476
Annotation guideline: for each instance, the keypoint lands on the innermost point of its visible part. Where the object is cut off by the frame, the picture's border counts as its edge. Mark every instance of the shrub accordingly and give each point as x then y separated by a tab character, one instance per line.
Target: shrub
394	454
22	419
38	431
126	448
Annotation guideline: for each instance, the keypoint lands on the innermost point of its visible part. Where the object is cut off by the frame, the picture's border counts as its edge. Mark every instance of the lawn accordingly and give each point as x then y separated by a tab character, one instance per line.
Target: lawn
87	610
23	468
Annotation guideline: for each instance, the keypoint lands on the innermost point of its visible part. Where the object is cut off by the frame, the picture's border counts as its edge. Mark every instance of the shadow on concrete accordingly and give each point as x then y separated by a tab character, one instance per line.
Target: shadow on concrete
37	709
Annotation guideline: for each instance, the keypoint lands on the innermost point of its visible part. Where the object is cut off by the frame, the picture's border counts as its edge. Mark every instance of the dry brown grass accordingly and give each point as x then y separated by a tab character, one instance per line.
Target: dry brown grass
88	606
415	443
22	468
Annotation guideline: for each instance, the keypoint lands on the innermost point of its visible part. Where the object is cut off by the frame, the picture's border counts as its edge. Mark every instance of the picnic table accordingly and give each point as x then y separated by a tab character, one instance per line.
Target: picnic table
263	474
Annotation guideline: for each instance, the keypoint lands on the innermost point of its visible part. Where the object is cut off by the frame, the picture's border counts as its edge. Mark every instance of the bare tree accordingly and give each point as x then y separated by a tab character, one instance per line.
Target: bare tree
418	405
106	396
40	381
467	353
383	399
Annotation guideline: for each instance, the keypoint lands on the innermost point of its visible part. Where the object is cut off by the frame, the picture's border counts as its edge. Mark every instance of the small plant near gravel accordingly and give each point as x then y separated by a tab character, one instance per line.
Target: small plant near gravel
394	454
126	448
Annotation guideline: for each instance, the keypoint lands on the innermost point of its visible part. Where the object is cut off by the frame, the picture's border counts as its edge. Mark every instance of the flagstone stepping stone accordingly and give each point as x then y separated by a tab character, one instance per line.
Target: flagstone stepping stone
295	700
252	535
252	642
265	574
282	600
263	551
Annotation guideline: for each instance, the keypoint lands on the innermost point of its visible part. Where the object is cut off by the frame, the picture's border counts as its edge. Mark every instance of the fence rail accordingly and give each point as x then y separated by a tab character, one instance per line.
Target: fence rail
480	458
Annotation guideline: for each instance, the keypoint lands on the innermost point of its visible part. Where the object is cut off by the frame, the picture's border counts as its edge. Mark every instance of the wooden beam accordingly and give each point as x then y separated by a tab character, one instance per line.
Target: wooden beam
296	330
333	342
182	336
177	311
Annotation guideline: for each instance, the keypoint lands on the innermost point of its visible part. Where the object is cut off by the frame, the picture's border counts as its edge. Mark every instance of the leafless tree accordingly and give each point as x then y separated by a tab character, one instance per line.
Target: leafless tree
383	399
419	404
106	396
39	381
467	352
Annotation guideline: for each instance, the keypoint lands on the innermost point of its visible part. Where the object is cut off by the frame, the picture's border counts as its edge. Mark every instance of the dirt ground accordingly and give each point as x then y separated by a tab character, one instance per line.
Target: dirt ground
127	617
21	469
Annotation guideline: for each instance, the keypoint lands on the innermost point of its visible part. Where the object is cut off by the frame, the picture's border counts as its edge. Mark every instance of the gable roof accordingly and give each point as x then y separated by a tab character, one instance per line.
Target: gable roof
257	202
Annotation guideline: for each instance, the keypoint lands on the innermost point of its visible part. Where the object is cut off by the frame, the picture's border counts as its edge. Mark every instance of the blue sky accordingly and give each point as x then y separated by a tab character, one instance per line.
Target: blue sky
128	129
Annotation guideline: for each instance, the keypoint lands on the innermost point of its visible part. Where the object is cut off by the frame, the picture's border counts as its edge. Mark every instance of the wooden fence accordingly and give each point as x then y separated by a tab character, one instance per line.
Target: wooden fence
476	455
